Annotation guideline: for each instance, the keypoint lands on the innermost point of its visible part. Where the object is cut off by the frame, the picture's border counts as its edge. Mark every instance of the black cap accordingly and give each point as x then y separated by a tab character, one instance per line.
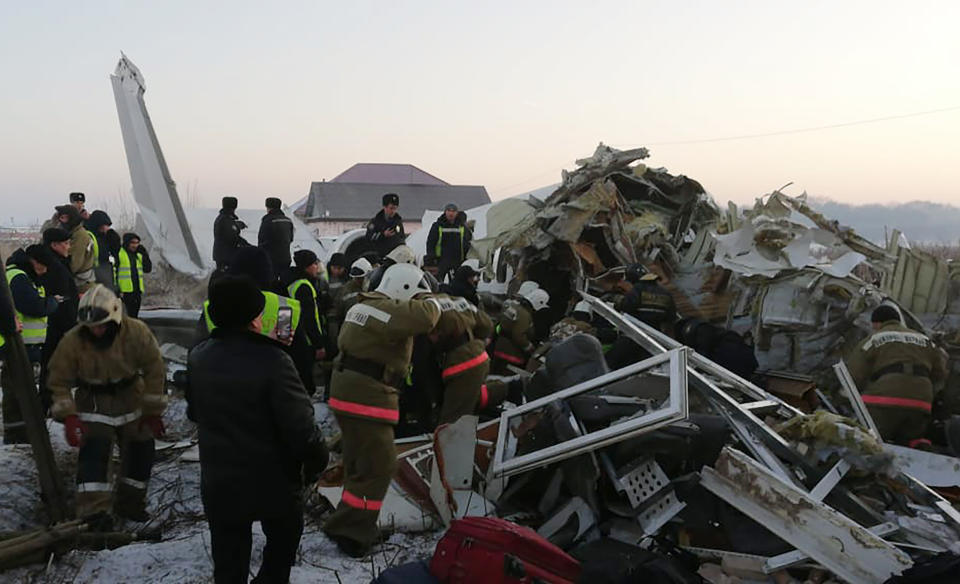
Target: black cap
39	254
338	259
235	301
78	198
464	273
55	235
229	202
884	313
272	203
252	262
304	257
391	199
128	237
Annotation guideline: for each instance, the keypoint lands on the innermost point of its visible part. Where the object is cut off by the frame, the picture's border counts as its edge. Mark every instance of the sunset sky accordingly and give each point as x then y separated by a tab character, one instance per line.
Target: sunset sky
256	99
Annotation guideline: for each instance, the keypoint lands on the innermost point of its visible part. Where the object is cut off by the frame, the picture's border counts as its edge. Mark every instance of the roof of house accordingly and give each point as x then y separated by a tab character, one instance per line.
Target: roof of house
360	201
394	174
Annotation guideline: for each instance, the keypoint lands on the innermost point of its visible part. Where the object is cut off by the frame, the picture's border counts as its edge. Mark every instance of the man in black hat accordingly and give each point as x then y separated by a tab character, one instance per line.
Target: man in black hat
258	438
464	284
449	240
303	287
226	233
385	230
275	236
58	282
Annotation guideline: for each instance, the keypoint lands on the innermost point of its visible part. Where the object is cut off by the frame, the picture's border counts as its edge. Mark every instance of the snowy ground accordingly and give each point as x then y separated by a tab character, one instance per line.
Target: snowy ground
183	554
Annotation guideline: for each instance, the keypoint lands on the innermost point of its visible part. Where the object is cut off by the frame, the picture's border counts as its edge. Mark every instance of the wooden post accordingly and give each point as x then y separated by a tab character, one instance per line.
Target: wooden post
21	376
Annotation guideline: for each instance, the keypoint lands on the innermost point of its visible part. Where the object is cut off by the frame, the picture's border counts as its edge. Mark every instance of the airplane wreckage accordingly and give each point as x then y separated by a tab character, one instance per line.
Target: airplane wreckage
673	460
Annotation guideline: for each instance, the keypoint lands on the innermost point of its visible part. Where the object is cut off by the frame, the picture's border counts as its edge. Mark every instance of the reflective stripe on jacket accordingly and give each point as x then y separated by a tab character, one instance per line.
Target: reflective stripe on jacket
292	290
271	310
34	328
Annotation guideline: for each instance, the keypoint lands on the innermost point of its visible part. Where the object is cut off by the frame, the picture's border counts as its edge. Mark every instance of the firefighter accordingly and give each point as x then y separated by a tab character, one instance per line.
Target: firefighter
24	271
461	337
276	235
256	431
226	233
113	363
579	321
647	300
337	276
517	330
351	291
83	247
376	341
385	230
897	371
133	262
448	241
303	289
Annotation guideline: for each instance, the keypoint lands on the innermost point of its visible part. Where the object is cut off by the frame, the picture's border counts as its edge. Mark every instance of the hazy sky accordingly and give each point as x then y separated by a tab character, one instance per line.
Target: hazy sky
258	98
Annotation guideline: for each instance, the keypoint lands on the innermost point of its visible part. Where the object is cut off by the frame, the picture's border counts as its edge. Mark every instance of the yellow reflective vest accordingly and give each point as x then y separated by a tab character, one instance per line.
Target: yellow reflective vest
125	273
292	290
34	328
271	310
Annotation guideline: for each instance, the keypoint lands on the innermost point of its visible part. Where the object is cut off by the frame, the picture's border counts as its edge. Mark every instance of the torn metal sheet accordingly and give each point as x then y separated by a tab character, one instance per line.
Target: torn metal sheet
842	546
930	468
673	410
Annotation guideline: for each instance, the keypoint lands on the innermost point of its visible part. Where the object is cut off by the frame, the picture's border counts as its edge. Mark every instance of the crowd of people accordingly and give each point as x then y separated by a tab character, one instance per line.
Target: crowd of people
396	351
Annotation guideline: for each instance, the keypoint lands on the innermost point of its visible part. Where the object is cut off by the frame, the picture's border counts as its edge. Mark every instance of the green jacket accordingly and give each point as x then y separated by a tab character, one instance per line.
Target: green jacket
897	367
379	331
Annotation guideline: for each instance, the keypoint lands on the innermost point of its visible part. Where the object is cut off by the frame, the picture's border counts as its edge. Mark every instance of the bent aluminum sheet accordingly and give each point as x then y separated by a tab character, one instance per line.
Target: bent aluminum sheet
840	545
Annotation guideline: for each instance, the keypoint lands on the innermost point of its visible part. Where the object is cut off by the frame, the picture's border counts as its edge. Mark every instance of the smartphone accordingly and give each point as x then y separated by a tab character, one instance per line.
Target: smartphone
285	323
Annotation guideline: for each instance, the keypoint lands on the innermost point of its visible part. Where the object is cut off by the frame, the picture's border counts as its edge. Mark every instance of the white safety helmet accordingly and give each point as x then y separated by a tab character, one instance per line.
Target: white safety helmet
583	306
360	268
526	288
473	263
99	306
402	254
538	299
403	282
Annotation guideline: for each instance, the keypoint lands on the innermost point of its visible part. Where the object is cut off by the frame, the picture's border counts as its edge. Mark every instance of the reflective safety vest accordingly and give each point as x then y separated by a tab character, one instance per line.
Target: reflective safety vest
34	328
292	290
440	231
125	273
96	248
271	309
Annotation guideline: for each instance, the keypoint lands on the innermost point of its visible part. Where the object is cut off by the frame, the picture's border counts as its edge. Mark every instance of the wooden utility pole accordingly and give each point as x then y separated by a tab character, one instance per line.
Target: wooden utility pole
25	390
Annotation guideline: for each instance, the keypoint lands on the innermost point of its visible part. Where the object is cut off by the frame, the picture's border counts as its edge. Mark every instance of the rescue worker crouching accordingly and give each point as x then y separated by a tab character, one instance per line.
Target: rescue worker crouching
516	332
897	371
461	337
579	321
376	341
115	365
32	306
647	300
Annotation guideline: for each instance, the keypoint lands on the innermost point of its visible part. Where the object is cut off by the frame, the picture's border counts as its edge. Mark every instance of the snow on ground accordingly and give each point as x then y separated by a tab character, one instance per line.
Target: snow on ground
183	554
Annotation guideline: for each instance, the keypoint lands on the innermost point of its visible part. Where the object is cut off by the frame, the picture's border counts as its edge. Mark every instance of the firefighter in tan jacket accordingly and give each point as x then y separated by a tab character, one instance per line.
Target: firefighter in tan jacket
115	366
516	331
461	337
897	371
376	341
83	247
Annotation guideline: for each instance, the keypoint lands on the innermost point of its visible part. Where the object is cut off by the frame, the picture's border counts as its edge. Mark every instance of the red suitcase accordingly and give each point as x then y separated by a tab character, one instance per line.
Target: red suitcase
489	550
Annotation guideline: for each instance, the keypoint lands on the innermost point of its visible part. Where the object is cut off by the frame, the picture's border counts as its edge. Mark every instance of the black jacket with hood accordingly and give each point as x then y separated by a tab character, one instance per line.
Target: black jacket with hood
275	237
453	247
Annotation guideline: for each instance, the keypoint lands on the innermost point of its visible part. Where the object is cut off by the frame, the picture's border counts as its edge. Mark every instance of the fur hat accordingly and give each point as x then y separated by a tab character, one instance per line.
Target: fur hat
55	235
391	199
229	202
304	257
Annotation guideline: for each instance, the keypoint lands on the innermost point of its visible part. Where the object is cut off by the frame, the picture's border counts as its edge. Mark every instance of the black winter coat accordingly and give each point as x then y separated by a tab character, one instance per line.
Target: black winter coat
375	228
58	281
256	426
226	236
453	247
26	298
275	237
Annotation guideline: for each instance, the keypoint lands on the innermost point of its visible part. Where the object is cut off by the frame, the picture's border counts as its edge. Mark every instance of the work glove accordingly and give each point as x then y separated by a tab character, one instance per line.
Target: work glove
142	251
154	424
74	430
